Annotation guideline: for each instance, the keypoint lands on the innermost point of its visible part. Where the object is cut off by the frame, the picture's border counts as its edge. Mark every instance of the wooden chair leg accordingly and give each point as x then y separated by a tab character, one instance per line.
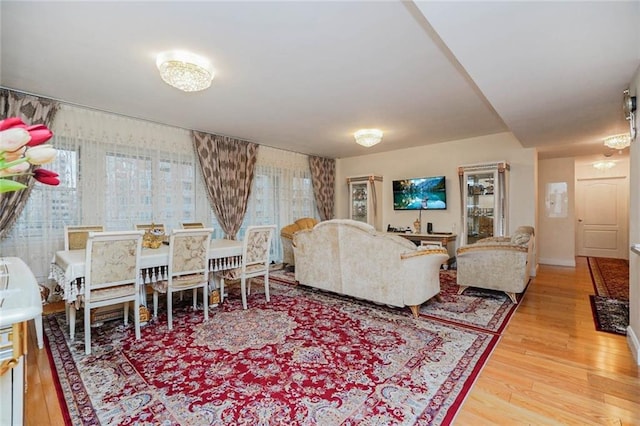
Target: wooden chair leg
462	288
155	304
415	309
169	310
87	331
243	290
512	296
72	322
205	300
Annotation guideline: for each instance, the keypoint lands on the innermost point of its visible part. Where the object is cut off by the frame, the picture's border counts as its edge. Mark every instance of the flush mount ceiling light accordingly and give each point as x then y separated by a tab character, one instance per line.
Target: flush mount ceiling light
618	141
184	70
604	165
368	137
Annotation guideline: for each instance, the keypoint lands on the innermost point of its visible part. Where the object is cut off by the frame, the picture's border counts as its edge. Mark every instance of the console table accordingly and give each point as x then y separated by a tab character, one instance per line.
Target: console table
445	239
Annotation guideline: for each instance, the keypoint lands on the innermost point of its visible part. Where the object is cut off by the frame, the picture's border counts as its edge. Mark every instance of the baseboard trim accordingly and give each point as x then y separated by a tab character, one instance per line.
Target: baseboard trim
634	344
557	262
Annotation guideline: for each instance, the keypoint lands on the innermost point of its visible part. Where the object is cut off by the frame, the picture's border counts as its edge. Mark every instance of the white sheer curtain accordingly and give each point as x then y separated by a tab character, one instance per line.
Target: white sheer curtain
118	171
281	192
115	171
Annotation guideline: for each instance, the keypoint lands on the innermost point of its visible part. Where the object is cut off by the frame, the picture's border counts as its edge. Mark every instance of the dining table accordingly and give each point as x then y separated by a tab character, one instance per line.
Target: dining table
68	266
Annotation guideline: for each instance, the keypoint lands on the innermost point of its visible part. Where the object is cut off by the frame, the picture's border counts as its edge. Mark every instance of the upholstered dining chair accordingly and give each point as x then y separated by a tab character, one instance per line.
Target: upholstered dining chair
75	237
256	248
112	271
192	225
188	269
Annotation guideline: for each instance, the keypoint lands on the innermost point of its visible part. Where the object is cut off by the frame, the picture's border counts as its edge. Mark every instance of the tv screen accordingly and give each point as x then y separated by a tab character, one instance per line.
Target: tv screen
427	193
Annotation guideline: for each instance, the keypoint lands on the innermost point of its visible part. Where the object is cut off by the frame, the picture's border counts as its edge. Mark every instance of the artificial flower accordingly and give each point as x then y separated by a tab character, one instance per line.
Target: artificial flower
46	176
15	169
14	155
10	122
14	138
21	147
39	134
41	154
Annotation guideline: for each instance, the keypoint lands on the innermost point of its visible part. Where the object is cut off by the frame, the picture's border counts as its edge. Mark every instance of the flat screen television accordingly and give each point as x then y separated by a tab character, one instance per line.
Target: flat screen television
427	193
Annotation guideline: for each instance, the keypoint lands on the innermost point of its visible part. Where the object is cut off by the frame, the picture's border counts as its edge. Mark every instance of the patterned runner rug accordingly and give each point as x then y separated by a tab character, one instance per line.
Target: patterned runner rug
610	305
610	277
610	315
307	357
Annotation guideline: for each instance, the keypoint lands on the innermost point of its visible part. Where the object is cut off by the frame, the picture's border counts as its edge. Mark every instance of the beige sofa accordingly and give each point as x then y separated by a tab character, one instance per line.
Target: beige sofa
352	258
497	263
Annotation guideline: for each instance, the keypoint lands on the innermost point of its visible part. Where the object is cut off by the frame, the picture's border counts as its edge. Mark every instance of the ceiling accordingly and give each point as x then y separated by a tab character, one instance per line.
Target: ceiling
303	76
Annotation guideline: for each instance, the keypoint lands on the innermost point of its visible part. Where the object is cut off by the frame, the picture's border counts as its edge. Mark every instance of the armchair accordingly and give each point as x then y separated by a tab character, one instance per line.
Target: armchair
286	235
497	263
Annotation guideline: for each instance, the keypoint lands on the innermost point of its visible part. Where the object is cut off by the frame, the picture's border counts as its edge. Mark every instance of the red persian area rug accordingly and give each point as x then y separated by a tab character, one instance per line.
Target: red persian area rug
305	358
486	310
479	308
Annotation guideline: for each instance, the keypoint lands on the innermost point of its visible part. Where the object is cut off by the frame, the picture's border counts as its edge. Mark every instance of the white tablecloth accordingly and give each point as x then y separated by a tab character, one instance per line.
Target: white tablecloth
68	265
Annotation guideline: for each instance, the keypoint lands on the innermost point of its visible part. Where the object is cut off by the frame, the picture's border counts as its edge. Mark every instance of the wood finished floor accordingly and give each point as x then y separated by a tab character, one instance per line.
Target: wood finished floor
550	367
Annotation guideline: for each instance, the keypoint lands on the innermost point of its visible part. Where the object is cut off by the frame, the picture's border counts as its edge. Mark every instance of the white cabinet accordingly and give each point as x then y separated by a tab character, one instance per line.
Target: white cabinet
19	303
484	200
365	196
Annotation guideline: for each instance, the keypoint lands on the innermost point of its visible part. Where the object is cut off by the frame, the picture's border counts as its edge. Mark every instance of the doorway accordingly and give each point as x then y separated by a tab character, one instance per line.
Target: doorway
602	214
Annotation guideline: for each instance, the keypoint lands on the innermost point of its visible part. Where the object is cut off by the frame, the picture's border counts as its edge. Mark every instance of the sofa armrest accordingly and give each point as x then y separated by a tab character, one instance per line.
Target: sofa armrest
490	240
478	248
424	252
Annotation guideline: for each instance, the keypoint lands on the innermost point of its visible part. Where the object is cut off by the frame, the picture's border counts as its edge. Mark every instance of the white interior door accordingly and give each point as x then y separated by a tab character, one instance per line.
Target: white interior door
602	214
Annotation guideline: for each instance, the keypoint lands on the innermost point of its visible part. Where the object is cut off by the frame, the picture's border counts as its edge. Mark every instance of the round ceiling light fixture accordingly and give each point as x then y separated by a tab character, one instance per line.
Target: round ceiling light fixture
368	137
618	141
184	70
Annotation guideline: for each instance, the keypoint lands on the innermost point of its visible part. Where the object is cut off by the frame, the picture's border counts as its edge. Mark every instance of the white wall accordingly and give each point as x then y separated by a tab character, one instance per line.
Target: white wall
444	159
555	236
633	332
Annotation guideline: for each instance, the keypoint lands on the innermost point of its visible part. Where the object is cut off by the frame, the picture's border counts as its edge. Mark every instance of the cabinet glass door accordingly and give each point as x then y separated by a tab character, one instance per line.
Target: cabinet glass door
480	205
359	198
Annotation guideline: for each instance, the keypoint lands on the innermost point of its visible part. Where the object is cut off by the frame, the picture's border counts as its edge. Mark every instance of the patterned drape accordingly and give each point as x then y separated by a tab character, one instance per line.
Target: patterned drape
227	166
323	177
32	110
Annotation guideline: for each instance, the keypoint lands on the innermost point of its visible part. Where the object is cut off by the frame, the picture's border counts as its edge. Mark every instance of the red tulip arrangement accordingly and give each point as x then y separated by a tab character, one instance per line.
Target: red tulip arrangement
21	147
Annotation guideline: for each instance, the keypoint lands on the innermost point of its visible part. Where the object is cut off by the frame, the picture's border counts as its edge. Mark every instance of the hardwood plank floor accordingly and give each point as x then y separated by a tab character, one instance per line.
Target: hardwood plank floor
550	367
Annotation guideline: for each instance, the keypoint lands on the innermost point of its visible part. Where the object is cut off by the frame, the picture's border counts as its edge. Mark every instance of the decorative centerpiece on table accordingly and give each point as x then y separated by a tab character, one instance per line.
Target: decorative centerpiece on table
153	237
22	152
